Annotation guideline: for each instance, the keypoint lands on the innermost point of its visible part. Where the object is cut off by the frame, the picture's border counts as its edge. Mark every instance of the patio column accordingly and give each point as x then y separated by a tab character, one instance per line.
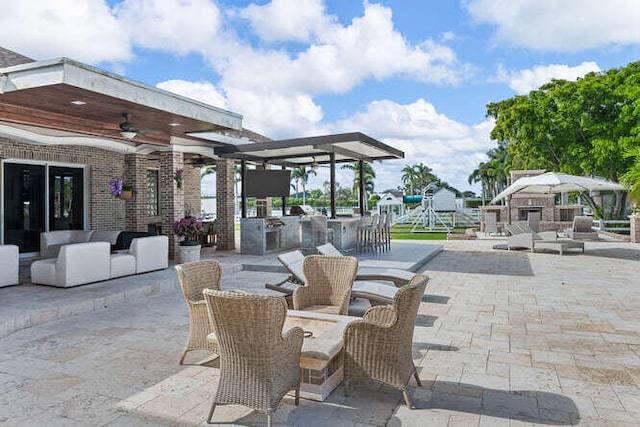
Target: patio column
225	206
332	180
361	197
136	207
634	222
171	197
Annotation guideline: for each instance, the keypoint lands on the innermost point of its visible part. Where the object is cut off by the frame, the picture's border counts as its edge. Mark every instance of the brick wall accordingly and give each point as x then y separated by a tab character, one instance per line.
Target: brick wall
224	204
136	207
191	188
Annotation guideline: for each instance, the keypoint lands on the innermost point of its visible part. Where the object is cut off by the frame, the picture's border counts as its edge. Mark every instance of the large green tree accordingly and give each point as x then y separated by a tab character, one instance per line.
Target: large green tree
582	128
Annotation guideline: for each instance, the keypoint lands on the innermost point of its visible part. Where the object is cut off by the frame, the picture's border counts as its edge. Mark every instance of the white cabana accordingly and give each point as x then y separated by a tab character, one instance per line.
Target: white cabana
556	182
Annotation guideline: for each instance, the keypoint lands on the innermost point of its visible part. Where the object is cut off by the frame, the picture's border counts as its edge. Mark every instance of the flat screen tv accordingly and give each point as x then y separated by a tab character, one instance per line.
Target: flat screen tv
268	183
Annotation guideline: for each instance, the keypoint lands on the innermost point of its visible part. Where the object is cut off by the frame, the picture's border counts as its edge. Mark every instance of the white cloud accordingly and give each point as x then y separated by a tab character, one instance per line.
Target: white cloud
288	20
179	26
524	81
560	25
343	57
85	31
275	114
201	91
452	149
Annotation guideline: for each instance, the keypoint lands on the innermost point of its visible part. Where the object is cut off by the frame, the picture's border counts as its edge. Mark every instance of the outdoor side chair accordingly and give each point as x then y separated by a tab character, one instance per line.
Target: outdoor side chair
259	363
194	277
328	285
379	346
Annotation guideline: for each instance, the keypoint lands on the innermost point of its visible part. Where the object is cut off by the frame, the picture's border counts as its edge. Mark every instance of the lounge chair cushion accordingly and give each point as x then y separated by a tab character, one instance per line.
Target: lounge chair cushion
396	275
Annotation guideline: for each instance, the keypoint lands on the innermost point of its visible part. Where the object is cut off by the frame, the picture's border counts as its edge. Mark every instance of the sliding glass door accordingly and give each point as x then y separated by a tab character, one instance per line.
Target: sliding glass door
66	200
29	206
24	205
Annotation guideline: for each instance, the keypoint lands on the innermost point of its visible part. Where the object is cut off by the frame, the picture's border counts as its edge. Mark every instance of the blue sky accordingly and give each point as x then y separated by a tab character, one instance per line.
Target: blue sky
415	74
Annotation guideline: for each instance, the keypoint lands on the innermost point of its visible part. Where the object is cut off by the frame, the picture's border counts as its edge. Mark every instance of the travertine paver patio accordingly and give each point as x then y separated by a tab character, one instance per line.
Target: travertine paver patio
502	338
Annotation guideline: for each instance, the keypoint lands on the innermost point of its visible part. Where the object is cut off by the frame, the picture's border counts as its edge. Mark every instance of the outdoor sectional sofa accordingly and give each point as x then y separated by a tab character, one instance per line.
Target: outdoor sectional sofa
9	262
88	262
52	241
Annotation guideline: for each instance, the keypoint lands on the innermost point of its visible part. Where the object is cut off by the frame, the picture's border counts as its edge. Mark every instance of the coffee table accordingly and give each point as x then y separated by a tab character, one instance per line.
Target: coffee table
559	245
321	359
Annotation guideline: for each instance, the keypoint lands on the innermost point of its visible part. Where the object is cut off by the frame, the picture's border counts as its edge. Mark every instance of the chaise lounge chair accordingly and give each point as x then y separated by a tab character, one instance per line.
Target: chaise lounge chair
376	293
398	276
581	229
522	237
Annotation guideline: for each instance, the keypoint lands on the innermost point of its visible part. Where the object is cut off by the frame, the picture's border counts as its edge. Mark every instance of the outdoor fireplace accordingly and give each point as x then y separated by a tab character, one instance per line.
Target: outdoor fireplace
524	211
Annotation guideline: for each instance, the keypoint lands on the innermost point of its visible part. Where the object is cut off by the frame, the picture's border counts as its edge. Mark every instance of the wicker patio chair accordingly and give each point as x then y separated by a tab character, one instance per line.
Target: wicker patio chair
259	363
194	277
328	284
379	345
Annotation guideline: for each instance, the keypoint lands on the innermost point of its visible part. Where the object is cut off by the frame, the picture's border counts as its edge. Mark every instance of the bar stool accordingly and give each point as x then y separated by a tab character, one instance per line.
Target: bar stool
321	232
387	231
364	226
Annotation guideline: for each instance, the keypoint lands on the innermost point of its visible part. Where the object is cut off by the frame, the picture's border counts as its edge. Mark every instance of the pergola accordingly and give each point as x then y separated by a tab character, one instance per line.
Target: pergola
311	151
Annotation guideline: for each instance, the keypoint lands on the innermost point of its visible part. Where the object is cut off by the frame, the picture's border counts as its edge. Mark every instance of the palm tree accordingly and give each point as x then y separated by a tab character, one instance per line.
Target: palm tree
369	175
302	174
408	178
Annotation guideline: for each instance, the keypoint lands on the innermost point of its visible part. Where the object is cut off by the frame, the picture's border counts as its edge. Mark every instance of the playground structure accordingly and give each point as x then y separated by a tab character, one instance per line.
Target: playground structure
436	212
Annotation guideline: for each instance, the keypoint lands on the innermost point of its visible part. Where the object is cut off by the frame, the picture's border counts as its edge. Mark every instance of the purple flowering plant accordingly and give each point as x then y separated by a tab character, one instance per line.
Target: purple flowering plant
178	176
188	227
117	186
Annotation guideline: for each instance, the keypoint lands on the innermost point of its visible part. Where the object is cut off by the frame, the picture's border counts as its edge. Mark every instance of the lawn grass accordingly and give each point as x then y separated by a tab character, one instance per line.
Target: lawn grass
403	232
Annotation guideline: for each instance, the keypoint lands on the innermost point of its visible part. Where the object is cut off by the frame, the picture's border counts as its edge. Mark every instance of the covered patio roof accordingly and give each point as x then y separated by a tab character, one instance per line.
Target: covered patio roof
346	147
309	151
69	96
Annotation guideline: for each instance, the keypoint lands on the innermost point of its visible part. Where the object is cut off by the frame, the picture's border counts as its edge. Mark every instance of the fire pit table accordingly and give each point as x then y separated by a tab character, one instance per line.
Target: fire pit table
321	360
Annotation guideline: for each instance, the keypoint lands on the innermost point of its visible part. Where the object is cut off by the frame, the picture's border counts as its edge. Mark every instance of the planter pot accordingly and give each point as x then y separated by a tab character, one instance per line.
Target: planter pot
188	251
126	194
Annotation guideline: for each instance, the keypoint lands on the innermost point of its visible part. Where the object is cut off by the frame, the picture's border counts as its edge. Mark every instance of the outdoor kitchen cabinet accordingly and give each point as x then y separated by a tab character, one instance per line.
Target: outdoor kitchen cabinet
259	236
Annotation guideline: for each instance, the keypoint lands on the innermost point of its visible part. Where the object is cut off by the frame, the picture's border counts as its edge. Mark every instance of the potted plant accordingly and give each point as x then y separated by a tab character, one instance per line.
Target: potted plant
119	189
178	177
190	229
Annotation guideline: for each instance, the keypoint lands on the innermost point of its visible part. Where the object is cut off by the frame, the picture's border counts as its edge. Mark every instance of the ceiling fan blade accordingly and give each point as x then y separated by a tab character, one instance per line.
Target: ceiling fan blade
149	131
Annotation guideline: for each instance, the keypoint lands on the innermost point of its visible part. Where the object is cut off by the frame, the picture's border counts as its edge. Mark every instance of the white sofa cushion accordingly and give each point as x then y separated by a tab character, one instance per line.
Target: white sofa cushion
76	264
52	241
9	265
122	264
110	236
152	253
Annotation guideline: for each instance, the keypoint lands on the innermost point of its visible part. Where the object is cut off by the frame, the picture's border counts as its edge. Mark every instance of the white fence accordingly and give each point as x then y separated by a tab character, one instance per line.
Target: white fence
612	225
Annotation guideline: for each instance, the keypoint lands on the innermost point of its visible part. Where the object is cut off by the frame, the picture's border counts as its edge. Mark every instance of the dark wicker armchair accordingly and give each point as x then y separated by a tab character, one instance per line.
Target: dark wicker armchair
259	363
194	277
328	284
379	345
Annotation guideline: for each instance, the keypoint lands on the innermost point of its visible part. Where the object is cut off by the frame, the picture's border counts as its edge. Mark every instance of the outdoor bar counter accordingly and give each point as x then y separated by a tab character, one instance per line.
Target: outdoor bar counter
345	232
259	236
